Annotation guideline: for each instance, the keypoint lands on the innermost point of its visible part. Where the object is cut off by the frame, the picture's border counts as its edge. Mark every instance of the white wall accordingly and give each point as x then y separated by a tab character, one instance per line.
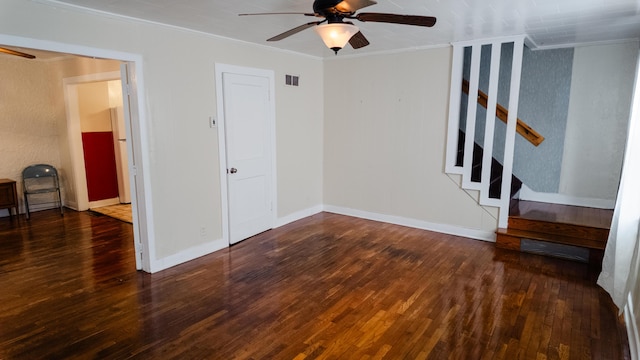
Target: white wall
385	132
180	96
601	88
621	263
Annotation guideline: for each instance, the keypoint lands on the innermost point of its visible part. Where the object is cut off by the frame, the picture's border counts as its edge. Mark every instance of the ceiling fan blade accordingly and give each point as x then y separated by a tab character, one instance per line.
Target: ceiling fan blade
358	41
293	31
417	20
351	6
279	13
16	53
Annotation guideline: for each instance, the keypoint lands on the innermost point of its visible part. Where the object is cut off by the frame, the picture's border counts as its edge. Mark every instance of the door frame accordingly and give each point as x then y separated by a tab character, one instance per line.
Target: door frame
144	237
220	69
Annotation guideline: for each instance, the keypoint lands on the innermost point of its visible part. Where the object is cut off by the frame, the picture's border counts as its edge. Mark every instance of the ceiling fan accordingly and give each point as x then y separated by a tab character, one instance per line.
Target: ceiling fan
336	32
16	53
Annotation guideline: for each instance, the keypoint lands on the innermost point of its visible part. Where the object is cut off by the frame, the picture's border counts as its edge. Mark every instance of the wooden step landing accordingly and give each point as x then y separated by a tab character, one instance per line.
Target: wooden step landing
557	213
560	224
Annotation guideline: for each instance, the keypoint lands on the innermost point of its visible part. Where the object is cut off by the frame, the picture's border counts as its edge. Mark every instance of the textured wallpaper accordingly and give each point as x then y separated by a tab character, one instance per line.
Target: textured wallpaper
544	104
544	100
29	132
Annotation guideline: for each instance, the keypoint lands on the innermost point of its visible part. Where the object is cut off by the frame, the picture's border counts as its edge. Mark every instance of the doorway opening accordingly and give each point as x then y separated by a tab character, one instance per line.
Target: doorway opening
136	155
94	105
99	152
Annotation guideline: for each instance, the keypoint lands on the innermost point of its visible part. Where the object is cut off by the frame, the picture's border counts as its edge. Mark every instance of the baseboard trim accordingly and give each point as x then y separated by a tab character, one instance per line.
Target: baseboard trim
632	329
552	198
298	215
414	223
189	254
105	202
71	205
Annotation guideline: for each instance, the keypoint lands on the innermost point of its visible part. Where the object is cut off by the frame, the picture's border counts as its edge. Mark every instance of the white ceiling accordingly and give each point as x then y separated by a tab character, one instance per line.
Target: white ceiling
547	23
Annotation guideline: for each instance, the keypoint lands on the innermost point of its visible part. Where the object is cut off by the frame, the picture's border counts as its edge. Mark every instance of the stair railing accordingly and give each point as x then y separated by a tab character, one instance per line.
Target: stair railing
455	98
522	128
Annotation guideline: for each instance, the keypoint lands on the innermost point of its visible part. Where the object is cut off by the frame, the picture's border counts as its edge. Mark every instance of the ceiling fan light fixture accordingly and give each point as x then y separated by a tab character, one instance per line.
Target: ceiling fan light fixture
336	35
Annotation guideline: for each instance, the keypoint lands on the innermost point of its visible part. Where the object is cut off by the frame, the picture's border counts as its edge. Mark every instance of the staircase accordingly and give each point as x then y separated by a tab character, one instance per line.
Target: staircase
522	225
585	228
492	181
495	184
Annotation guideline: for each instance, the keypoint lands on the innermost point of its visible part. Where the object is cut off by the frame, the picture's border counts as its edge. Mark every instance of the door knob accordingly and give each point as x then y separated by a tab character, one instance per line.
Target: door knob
233	170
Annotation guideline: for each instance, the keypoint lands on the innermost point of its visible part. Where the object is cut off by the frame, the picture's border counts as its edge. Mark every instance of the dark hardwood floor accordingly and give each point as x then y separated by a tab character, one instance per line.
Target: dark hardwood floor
325	287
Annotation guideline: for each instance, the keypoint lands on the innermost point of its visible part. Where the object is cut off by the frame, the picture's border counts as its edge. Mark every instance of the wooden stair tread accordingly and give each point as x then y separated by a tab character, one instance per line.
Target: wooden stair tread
559	228
551	237
558	213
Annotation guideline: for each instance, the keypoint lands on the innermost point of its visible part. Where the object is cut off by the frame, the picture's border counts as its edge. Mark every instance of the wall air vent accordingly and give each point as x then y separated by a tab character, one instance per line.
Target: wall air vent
291	80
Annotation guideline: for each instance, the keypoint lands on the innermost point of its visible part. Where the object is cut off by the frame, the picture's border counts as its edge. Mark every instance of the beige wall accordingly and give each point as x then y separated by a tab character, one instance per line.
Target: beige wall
114	89
180	96
601	88
385	133
94	107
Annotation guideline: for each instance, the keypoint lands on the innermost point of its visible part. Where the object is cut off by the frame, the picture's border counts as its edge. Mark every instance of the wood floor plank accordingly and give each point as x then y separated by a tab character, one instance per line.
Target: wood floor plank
324	287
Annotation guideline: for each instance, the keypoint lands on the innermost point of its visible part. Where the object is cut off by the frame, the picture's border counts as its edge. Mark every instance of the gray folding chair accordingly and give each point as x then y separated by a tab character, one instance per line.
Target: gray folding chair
38	180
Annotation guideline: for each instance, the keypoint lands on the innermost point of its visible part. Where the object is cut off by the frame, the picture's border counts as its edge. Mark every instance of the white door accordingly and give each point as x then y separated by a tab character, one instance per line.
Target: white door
247	121
133	149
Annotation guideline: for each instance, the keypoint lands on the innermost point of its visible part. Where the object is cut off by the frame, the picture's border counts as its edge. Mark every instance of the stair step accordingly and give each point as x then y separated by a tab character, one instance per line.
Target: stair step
587	228
510	239
559	229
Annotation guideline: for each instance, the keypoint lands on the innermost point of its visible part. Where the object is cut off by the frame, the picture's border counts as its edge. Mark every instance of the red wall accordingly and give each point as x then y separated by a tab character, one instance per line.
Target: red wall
100	165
